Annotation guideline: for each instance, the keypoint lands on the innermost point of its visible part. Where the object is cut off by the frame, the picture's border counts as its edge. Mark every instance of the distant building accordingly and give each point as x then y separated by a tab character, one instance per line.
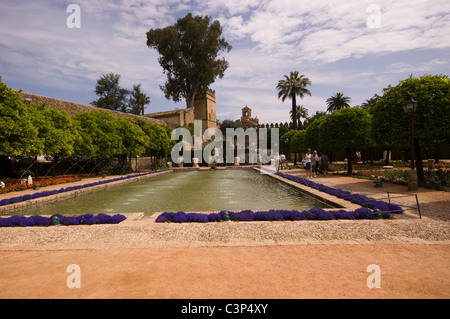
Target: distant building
247	120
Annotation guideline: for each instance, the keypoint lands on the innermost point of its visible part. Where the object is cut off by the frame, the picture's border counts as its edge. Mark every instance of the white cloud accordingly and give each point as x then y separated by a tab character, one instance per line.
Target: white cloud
326	40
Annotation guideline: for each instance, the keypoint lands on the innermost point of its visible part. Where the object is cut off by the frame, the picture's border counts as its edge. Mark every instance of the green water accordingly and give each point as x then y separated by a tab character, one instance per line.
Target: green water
189	191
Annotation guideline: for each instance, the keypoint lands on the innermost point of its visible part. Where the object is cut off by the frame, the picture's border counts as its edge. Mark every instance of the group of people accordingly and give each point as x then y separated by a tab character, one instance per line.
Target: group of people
313	163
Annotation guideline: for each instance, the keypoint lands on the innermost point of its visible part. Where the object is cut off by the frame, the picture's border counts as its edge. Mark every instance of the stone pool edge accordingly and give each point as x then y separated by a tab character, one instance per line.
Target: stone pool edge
316	194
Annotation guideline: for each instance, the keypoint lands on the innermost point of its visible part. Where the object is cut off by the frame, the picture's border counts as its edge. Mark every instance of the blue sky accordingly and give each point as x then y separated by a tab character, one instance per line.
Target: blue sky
357	47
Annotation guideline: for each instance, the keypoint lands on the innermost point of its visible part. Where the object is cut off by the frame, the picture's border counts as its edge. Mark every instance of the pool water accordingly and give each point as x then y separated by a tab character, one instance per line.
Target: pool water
189	191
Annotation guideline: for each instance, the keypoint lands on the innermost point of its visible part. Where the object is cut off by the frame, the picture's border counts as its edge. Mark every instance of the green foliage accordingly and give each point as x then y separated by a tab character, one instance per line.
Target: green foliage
346	128
134	139
18	135
188	55
337	102
29	130
312	133
228	124
285	148
57	131
160	143
431	121
100	135
111	95
138	100
298	142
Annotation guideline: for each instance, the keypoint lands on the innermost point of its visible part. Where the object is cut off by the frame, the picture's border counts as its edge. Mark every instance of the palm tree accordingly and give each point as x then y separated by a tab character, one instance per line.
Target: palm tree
302	112
370	103
337	102
290	87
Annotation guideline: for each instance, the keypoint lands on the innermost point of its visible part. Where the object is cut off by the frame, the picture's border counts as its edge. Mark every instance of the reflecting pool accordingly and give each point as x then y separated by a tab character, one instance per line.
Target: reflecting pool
189	191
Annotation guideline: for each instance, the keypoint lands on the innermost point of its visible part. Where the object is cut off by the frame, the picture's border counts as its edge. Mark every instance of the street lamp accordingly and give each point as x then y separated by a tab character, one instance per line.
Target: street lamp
410	107
286	142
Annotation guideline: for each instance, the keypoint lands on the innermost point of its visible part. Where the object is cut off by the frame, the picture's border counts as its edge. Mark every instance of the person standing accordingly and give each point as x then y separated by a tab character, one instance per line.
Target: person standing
314	164
307	163
283	161
324	164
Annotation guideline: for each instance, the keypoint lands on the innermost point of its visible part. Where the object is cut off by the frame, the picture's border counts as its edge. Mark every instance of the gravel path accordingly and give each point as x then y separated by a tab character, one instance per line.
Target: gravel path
139	232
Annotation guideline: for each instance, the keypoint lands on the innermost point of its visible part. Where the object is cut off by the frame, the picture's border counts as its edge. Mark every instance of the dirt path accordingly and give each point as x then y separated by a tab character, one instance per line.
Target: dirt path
290	272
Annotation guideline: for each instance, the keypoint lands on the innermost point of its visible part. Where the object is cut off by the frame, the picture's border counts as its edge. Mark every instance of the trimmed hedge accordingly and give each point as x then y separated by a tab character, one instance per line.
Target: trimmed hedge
270	215
87	219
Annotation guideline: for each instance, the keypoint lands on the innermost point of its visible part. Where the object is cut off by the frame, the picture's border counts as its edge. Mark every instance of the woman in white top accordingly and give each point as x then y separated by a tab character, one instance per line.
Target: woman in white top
307	163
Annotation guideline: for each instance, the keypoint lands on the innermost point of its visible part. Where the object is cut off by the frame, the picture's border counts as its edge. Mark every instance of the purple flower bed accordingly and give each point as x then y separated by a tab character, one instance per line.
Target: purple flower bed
87	219
354	198
270	215
19	199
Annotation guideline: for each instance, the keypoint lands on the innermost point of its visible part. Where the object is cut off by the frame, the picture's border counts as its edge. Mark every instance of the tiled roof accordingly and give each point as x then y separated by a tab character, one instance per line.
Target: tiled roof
76	108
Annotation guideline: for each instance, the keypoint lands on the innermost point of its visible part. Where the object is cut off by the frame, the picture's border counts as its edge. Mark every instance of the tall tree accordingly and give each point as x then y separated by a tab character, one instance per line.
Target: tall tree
292	86
189	52
346	129
337	102
111	95
138	100
431	120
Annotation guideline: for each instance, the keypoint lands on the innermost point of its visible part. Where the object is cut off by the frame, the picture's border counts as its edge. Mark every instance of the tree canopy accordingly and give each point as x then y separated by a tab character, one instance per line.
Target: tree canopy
111	95
138	100
30	130
431	120
189	52
337	102
346	129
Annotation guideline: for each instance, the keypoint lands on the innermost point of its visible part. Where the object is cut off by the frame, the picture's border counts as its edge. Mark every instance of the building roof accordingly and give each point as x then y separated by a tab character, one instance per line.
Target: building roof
76	108
164	114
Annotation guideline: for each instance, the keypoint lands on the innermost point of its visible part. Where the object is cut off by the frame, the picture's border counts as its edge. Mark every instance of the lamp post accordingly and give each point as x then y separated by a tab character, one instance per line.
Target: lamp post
288	151
410	107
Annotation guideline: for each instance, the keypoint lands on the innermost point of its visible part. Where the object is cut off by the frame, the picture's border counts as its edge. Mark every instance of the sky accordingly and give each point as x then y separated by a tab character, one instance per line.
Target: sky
358	47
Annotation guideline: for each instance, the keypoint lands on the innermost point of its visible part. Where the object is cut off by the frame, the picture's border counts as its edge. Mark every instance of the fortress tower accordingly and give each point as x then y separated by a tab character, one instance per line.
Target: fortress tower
205	109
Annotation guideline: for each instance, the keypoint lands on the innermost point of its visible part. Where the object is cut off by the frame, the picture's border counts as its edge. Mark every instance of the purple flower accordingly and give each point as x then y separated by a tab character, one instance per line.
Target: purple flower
179	217
214	217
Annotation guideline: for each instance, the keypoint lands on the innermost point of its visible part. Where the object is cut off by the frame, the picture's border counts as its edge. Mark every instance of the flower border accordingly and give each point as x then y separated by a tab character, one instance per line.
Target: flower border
359	199
270	215
36	220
